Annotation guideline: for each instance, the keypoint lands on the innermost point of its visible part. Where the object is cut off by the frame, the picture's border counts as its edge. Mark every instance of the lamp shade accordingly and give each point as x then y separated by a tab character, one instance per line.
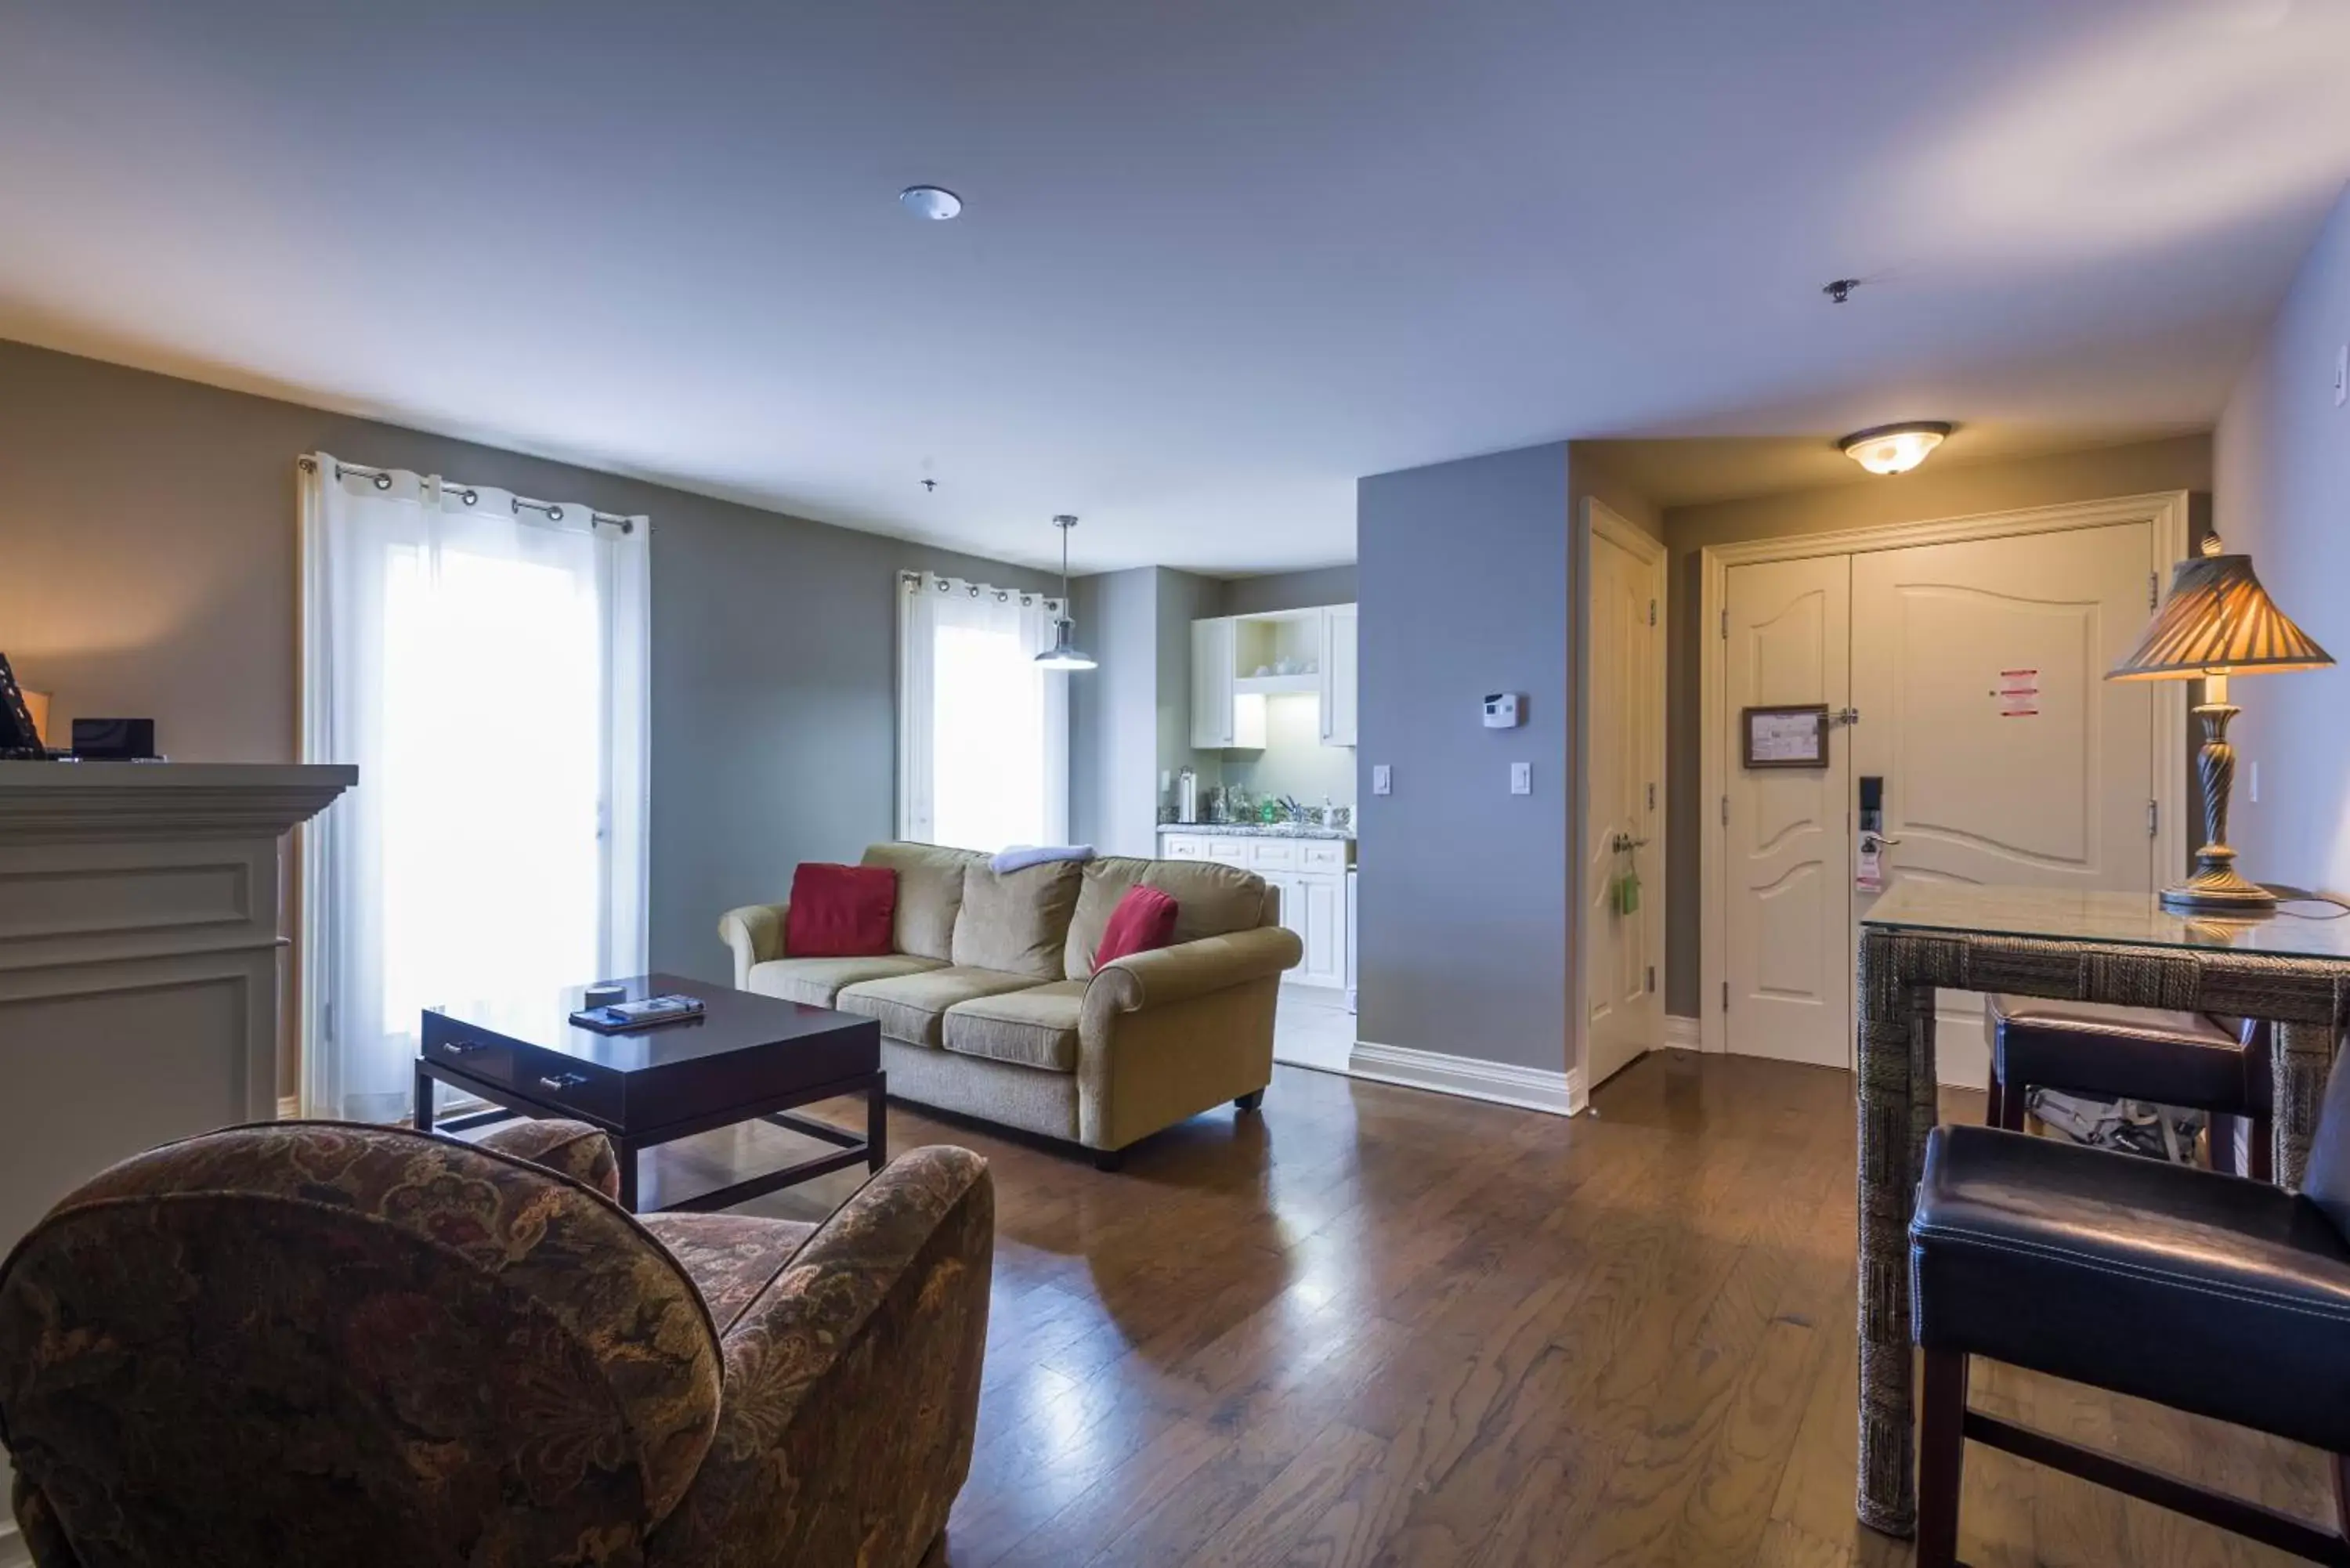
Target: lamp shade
2217	620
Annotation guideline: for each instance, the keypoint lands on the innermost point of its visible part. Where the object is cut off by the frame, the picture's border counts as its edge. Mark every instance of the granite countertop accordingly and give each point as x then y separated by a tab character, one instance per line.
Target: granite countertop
1257	829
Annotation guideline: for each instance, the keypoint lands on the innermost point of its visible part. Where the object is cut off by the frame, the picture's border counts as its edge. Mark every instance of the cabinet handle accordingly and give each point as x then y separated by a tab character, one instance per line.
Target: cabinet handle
561	1081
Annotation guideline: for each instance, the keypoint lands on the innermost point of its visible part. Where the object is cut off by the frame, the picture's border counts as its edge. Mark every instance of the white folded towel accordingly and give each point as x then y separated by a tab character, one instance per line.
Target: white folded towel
1022	856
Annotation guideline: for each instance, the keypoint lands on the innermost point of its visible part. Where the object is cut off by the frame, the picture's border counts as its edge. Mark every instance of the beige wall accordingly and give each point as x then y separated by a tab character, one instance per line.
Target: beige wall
147	568
2284	456
1957	490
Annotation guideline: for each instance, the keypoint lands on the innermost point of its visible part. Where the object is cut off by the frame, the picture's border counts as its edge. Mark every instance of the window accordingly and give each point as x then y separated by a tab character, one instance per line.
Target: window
983	730
481	658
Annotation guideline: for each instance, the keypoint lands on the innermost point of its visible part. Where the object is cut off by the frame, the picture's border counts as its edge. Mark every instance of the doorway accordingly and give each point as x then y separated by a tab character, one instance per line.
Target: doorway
1620	1013
1962	665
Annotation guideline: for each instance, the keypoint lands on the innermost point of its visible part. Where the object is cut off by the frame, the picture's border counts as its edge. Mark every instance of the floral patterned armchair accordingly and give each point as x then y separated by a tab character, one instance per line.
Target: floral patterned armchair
318	1343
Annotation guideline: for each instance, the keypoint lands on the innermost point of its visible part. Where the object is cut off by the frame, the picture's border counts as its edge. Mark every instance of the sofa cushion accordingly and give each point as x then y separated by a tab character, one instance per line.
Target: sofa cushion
1210	900
817	981
1032	1028
912	1007
730	1257
1017	921
929	892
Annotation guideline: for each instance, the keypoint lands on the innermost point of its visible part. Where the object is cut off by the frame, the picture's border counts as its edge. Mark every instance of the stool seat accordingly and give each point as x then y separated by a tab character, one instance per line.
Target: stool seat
2210	1293
2127	1053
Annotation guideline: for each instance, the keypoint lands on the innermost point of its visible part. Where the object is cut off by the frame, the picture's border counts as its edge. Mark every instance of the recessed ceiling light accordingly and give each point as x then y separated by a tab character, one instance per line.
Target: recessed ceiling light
1893	449
933	201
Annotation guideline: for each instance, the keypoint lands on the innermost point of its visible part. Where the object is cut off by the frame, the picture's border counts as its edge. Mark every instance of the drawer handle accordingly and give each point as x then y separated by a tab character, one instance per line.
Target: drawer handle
561	1081
459	1047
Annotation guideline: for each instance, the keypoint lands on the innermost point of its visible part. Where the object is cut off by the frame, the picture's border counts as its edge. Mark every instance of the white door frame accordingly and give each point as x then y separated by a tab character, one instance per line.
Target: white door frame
1598	519
2166	510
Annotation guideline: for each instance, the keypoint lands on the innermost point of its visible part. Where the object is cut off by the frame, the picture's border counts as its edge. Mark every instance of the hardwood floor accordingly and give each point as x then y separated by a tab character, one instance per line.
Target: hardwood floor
1379	1327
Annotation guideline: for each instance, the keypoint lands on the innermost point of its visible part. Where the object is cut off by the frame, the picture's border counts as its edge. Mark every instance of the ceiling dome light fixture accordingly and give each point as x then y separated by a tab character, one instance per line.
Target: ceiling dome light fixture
933	201
1893	449
1063	654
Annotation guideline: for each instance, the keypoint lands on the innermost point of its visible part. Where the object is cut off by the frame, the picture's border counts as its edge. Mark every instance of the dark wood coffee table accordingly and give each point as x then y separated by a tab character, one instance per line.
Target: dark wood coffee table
746	1058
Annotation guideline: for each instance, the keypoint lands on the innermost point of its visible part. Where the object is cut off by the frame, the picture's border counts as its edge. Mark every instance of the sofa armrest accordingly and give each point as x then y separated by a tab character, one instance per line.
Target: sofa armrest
1190	969
851	1388
568	1148
755	933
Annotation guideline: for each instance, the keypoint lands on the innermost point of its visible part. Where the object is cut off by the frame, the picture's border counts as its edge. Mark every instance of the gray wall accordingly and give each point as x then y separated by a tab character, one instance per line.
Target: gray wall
1957	490
2283	458
1287	590
1113	713
147	566
1464	941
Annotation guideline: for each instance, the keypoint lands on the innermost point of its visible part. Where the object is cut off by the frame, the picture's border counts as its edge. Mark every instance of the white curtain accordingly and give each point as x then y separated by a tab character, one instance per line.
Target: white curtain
983	729
482	658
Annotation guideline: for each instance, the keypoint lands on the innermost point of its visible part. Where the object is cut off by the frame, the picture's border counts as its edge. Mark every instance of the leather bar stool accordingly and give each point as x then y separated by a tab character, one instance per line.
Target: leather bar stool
2207	1293
2181	1059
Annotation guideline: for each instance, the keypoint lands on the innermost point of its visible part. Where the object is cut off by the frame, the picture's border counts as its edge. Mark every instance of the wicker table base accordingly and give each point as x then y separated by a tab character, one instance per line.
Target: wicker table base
2308	997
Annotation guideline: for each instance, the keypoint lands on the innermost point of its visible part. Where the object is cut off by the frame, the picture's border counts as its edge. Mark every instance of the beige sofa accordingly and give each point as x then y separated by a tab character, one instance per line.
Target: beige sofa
990	1005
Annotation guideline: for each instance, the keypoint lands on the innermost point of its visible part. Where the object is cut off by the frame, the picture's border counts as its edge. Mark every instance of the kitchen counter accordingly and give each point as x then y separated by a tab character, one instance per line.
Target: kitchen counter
1257	830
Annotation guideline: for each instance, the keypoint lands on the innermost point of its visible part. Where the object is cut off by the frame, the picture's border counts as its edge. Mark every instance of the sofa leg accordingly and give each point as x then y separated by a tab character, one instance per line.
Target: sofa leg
1941	1457
1253	1100
1110	1159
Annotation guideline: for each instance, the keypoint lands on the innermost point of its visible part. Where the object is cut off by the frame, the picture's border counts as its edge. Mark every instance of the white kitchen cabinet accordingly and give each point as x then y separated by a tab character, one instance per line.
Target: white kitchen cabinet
1212	683
1309	874
1338	683
1221	717
1228	694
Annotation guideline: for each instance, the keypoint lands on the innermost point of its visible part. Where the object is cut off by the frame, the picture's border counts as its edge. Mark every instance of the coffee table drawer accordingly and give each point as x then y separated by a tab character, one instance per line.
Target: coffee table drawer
491	1059
554	1079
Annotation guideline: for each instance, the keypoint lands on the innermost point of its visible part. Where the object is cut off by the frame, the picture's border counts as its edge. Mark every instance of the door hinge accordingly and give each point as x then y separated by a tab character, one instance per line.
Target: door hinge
1725	811
2153	818
1652	797
1725	996
1652	612
2153	590
1652	977
1725	625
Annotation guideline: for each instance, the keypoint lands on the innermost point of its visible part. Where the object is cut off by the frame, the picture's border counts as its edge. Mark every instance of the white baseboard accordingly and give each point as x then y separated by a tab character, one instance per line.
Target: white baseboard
1530	1088
1683	1034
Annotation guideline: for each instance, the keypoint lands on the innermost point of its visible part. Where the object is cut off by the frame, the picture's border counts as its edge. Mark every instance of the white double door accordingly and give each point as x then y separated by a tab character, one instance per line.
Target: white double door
1976	672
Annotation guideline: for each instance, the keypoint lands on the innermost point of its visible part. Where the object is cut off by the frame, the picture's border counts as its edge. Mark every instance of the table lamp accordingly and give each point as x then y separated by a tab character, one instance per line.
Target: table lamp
2218	621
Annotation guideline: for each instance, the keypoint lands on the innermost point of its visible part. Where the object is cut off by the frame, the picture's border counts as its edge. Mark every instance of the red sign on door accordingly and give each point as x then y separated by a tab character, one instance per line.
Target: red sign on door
2019	693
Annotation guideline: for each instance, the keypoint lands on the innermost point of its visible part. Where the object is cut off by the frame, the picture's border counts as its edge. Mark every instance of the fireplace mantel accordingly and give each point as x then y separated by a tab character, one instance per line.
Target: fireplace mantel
140	964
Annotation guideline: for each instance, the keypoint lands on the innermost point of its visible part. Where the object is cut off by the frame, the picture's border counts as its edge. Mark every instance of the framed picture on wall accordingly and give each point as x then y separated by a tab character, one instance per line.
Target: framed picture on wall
1794	736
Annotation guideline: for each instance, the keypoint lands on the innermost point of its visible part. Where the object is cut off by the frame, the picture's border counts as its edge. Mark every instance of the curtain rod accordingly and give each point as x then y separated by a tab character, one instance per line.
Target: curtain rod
469	495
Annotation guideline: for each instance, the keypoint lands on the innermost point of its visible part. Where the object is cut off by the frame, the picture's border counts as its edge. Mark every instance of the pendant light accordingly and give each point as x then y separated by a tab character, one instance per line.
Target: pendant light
1064	654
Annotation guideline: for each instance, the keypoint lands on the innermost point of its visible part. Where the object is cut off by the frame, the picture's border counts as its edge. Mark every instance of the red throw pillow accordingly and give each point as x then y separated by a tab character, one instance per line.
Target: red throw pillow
840	911
1144	920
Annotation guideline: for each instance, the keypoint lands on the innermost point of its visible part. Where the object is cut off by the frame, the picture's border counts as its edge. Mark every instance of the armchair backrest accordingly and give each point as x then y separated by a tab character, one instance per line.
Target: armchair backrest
324	1342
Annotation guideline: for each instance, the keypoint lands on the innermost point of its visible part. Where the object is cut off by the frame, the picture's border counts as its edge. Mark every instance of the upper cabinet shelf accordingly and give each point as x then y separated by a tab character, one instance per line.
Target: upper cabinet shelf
1237	661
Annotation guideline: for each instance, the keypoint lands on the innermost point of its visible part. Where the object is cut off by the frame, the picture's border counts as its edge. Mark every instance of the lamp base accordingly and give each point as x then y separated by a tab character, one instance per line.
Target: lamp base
2219	889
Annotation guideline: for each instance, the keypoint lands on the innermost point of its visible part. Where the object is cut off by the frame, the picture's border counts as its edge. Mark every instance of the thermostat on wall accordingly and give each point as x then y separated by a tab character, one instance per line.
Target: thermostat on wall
1502	711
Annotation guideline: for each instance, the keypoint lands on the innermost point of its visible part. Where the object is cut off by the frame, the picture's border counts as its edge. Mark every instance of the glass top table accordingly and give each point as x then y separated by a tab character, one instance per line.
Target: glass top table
2056	914
2293	970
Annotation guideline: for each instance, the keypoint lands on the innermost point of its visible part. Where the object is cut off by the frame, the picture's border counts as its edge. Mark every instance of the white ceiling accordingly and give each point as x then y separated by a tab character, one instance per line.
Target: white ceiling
1219	258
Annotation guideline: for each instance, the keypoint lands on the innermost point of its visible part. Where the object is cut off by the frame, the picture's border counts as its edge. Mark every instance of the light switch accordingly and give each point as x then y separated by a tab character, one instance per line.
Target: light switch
1382	781
1521	778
